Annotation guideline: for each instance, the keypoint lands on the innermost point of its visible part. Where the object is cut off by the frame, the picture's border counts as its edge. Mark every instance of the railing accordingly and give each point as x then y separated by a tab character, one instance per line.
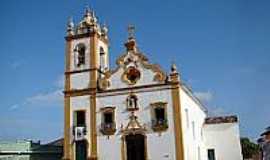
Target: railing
159	125
108	128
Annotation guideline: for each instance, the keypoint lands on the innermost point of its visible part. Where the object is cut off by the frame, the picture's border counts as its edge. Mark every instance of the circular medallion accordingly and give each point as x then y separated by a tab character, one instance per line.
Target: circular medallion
132	75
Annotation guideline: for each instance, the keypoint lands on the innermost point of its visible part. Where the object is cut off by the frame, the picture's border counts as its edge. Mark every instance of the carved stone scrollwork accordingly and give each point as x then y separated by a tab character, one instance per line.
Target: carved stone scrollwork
131	75
130	62
103	83
133	126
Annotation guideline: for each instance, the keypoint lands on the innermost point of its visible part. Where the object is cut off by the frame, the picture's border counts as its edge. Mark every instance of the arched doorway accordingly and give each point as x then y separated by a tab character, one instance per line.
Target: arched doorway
81	150
135	147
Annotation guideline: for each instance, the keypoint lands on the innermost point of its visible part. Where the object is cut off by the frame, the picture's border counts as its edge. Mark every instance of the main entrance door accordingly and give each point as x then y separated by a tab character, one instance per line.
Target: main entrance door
135	147
81	150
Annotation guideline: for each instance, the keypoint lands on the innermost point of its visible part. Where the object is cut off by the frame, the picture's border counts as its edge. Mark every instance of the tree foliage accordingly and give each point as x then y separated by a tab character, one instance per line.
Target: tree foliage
249	148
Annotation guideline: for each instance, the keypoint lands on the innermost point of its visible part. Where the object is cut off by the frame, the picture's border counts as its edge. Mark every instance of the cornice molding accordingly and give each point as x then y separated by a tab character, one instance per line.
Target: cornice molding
80	71
86	35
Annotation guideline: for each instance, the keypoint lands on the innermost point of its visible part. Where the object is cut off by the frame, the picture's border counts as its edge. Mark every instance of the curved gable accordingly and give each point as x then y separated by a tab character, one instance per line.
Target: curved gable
133	69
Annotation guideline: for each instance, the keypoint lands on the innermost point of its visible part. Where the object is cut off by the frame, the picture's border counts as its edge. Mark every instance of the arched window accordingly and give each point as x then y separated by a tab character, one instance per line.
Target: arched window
80	56
102	61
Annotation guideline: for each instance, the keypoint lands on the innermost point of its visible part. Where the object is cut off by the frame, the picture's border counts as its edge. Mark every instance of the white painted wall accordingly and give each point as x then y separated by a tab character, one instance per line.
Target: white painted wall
79	80
196	116
225	139
158	146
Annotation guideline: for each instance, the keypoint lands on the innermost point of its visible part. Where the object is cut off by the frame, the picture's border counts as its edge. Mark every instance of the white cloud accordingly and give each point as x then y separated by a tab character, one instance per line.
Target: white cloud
49	98
60	81
13	107
205	97
216	111
54	97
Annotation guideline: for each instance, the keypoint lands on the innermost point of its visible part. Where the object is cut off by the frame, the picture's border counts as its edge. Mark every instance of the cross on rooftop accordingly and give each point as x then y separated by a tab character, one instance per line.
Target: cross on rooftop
131	31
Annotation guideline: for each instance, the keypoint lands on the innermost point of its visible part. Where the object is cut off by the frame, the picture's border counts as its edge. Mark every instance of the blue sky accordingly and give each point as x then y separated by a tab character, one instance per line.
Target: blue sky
221	49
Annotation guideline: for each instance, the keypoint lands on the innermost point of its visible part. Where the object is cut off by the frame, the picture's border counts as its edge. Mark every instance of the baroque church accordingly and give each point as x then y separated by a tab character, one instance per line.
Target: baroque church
135	111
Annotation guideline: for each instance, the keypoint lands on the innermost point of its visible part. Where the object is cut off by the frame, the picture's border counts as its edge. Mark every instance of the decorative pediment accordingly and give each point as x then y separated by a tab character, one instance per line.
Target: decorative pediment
133	126
131	68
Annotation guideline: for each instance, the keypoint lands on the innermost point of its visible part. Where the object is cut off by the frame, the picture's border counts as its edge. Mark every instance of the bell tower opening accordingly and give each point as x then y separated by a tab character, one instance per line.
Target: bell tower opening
135	147
102	58
80	55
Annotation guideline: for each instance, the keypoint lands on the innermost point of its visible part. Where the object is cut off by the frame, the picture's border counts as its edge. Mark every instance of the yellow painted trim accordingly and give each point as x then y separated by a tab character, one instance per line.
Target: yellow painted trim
145	148
117	91
67	144
67	129
93	85
178	131
123	150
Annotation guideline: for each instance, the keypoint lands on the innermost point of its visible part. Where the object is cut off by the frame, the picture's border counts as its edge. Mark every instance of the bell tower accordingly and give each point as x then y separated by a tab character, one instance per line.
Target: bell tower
87	58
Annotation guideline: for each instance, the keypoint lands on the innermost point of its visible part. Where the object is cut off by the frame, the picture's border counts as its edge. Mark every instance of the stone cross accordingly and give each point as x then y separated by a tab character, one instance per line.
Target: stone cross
131	31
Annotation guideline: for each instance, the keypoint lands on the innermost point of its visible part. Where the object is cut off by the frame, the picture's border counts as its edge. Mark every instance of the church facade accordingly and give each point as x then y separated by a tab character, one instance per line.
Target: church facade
135	111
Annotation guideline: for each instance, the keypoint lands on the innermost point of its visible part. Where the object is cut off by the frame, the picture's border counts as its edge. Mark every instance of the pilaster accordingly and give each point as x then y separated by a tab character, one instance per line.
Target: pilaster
67	129
178	132
93	85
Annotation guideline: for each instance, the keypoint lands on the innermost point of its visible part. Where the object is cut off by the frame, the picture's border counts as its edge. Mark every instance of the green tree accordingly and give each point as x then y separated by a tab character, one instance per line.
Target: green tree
249	148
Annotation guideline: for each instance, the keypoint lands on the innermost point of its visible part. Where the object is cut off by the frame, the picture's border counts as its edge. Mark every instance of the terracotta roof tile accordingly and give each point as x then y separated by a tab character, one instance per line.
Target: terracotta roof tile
221	119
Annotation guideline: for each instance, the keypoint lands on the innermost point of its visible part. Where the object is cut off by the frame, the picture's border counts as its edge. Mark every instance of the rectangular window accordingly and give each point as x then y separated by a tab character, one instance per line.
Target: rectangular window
102	61
187	118
80	118
160	114
108	117
81	56
202	133
108	126
193	130
211	154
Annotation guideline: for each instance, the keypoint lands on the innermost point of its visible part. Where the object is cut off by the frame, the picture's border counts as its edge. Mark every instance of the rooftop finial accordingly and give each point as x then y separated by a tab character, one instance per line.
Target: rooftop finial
87	11
70	26
70	22
173	68
174	75
131	31
104	29
131	43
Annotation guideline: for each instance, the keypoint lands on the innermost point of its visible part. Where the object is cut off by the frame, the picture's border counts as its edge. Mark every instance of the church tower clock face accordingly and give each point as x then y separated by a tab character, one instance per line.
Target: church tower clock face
131	75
